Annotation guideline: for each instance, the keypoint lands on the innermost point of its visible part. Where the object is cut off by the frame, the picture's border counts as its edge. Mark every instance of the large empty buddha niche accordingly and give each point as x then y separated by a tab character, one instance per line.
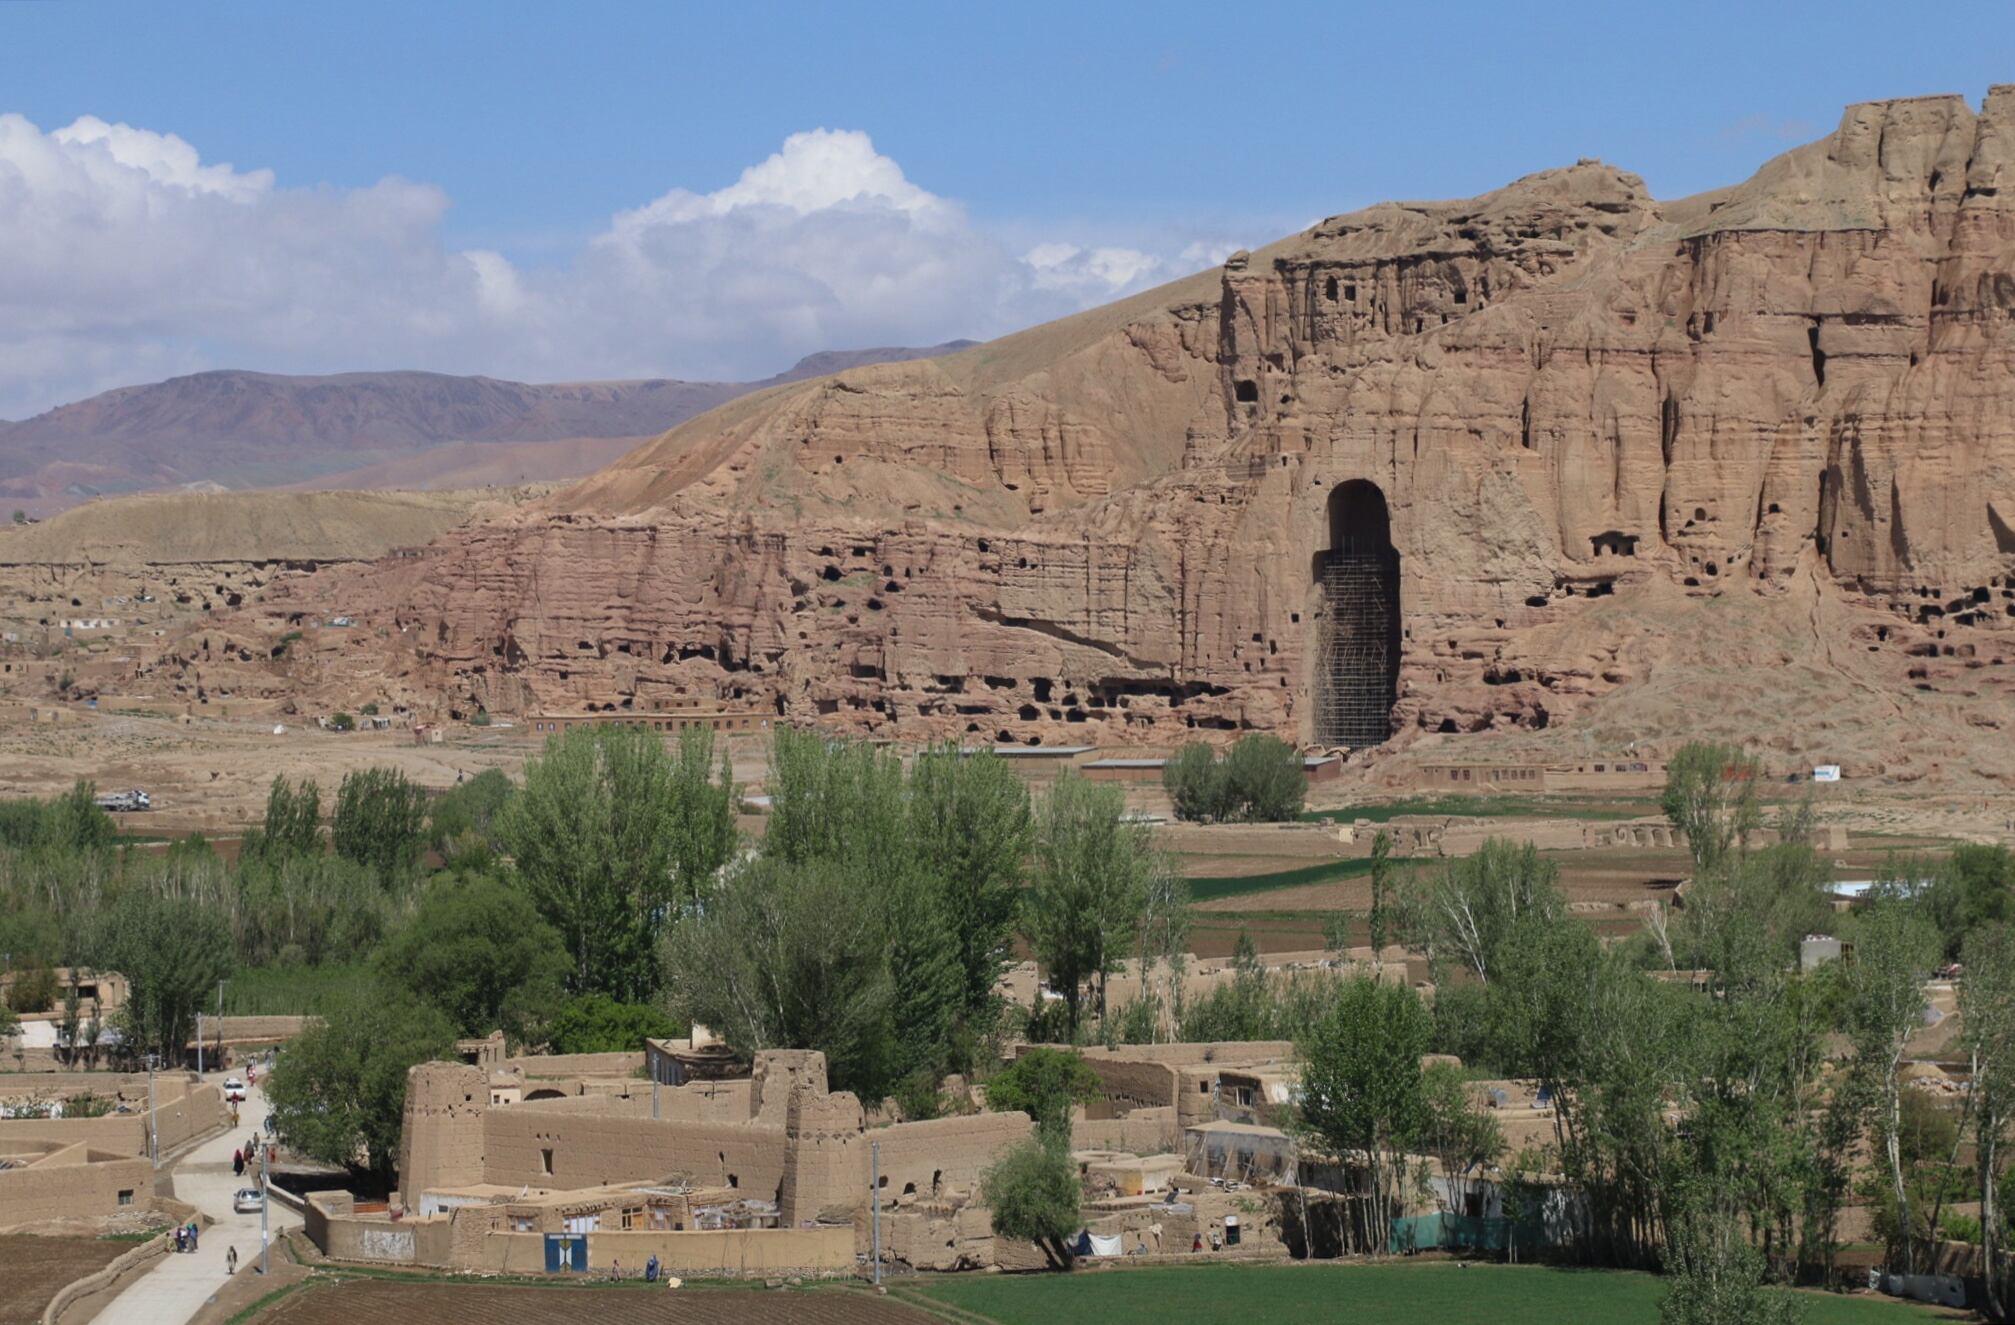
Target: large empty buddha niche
1357	659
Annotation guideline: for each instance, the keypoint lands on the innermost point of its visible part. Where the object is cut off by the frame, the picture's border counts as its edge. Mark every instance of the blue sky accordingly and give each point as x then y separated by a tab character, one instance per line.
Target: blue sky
1118	144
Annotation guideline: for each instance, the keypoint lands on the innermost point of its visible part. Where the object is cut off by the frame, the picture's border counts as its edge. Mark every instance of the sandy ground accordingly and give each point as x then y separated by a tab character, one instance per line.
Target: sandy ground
212	775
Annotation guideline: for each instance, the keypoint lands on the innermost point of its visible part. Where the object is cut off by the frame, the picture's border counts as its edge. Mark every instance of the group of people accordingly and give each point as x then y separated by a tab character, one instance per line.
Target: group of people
186	1236
245	1157
653	1272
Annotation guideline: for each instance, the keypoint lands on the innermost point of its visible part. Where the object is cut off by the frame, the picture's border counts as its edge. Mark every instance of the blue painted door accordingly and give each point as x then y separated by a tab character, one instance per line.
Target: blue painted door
566	1251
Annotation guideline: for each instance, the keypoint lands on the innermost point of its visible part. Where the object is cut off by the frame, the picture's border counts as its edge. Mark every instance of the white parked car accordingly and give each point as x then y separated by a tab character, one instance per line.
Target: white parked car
234	1090
248	1200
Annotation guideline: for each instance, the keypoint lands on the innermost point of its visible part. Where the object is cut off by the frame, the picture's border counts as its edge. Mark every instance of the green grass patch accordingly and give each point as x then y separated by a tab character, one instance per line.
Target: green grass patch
1239	885
274	991
1399	1294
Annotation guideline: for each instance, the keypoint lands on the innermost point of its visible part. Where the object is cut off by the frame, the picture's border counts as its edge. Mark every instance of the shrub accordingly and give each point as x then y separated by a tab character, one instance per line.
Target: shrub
342	722
598	1024
1260	781
1195	782
1033	1192
33	989
1044	1083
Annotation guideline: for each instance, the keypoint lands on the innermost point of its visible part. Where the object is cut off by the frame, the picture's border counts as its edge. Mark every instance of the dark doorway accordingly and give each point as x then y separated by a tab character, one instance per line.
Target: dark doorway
1357	649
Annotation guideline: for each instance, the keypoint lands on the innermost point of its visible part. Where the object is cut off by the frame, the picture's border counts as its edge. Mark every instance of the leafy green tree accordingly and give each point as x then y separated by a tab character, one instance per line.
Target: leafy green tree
173	951
1463	1139
971	821
1974	886
1715	1277
33	988
342	722
1093	872
1265	780
339	1092
1480	899
839	802
293	820
926	982
1195	781
67	1029
471	812
1987	1019
1895	947
1745	919
71	822
1362	1091
1710	795
1381	883
379	822
1045	1084
299	909
613	838
598	1024
477	950
787	955
1032	1192
1260	779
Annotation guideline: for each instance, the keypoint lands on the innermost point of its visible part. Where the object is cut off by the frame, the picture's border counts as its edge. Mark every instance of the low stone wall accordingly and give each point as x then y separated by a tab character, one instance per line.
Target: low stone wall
180	1118
1142	1132
537	1066
729	1253
465	1241
252	1030
128	1086
81	1299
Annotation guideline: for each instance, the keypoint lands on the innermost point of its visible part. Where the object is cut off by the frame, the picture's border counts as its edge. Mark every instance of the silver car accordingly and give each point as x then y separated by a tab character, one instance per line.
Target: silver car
248	1201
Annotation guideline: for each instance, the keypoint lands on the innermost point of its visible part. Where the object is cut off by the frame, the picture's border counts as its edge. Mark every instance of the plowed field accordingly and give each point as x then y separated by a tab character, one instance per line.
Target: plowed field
32	1269
391	1302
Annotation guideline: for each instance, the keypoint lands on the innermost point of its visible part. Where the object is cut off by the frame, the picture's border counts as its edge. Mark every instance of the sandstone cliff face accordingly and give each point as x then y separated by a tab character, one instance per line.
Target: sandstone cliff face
1590	414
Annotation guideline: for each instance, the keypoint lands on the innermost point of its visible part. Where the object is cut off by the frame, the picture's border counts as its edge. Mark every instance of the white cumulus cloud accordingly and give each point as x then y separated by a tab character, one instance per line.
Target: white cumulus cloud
128	257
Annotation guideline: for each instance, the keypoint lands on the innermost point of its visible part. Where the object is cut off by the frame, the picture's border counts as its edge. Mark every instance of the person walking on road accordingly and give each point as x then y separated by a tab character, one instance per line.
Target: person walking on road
231	1262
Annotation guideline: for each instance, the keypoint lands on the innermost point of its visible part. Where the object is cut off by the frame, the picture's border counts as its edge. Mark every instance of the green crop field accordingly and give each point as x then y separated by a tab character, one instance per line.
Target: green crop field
1402	1294
1210	889
1489	807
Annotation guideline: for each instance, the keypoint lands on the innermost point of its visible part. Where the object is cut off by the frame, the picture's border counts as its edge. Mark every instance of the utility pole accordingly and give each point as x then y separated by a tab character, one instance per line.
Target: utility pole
153	1119
875	1202
220	1025
265	1200
199	1043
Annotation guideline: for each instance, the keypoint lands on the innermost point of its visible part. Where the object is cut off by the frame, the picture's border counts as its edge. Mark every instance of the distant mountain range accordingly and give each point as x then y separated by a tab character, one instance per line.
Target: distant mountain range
232	429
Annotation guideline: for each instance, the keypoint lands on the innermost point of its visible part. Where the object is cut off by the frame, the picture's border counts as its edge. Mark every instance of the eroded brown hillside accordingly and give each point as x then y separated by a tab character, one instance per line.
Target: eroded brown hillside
1765	436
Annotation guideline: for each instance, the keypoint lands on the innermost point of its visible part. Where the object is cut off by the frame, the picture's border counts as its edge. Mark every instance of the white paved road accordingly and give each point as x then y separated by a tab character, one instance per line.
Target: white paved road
177	1286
